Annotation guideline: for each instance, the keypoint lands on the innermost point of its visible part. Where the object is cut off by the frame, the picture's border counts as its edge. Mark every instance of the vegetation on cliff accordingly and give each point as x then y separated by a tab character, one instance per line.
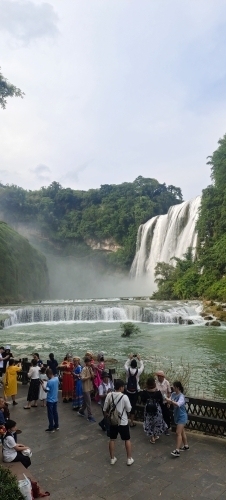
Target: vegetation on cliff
23	270
206	276
71	217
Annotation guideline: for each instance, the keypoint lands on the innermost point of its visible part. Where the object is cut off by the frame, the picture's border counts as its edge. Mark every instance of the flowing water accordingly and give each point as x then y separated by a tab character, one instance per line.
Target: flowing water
164	237
78	326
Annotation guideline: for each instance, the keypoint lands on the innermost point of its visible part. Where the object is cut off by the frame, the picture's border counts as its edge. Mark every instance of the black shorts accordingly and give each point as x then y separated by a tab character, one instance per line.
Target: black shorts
122	430
133	401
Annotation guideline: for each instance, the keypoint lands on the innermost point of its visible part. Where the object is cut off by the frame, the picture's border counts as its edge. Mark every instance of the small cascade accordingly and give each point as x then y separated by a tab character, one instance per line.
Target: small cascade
110	312
164	237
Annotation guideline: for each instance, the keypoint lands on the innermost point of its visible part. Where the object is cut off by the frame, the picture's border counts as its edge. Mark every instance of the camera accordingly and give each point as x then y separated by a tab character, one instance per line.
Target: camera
134	355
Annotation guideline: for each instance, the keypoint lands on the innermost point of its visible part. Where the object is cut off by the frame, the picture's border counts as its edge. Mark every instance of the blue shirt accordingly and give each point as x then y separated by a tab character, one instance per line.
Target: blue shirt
52	387
53	363
2	418
179	412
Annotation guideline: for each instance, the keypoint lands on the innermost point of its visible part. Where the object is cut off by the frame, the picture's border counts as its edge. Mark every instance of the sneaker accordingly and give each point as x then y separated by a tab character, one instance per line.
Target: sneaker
50	430
175	453
167	433
184	448
56	428
102	426
130	461
81	414
15	403
113	461
91	419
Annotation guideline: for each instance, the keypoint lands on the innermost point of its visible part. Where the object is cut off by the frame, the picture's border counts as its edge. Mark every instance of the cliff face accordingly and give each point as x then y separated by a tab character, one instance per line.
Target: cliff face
23	270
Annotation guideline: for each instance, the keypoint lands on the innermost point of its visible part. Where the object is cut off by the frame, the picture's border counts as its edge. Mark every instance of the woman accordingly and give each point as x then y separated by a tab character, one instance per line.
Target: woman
10	380
66	368
98	370
52	363
154	424
78	395
180	417
33	391
12	451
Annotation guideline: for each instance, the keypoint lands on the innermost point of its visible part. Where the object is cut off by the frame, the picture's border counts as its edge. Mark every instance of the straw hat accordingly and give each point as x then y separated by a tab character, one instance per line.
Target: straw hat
160	373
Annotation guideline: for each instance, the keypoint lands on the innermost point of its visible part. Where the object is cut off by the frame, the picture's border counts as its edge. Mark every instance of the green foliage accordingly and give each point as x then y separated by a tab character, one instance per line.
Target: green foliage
128	329
7	90
112	212
23	270
9	486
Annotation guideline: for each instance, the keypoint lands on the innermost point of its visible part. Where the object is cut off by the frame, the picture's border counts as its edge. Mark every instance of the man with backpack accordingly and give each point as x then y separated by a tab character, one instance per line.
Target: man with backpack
132	379
116	408
104	388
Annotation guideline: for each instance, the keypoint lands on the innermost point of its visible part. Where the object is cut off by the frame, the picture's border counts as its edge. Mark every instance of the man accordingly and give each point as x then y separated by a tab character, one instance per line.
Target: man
6	355
104	388
37	358
51	388
2	416
87	376
163	385
132	379
121	403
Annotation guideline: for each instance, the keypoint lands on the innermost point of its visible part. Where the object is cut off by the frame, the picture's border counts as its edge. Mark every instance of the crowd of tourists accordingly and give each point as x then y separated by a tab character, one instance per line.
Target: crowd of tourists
82	382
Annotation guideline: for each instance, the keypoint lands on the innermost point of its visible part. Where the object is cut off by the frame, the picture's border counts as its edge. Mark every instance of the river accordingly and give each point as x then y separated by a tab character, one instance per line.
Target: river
162	341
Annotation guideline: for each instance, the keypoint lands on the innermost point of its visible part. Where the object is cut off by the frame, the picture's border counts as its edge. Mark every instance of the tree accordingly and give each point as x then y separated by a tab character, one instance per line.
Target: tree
129	328
7	89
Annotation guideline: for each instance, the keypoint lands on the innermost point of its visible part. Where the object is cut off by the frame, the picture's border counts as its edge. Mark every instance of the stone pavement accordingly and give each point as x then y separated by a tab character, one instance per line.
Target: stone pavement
74	462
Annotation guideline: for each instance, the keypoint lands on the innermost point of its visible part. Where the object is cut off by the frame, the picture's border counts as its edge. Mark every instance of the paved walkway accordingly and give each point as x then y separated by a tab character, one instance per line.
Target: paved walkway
74	462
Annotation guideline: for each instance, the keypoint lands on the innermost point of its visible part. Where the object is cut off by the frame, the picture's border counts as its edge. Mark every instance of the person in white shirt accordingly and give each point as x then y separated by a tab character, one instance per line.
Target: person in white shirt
132	379
122	404
104	388
33	391
163	386
12	451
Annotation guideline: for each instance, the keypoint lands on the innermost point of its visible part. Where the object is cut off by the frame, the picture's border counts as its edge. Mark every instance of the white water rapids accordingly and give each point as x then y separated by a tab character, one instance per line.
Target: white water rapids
151	312
164	237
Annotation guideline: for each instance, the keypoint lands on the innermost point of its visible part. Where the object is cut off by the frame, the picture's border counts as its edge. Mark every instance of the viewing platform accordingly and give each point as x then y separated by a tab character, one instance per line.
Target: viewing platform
74	462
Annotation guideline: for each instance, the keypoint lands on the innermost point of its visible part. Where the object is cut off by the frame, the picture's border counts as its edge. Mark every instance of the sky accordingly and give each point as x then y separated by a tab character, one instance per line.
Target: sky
114	89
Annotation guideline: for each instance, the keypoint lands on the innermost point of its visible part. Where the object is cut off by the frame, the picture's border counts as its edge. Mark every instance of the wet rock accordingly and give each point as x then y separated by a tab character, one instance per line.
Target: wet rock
190	322
208	318
180	320
207	324
215	322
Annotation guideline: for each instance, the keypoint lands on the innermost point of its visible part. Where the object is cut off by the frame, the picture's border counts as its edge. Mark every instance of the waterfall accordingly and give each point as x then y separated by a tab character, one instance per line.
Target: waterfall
154	313
164	237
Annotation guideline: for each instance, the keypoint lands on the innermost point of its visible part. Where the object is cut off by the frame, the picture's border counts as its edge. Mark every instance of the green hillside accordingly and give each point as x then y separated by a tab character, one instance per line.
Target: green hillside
23	270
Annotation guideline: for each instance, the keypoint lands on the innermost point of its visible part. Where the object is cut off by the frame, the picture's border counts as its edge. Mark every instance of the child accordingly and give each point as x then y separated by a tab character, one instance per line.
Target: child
42	393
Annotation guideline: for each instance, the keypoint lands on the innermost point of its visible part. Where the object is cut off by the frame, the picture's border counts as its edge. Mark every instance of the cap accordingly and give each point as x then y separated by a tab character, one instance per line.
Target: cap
160	373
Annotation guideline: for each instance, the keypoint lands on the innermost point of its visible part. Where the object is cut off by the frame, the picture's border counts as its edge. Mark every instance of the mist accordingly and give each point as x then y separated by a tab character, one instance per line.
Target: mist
74	278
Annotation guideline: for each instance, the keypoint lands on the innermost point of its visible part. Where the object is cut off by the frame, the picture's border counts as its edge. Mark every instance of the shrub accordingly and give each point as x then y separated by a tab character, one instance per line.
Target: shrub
129	328
9	489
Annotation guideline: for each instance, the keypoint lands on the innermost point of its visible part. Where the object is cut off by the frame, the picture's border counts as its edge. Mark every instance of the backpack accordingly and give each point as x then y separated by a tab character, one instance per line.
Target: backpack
132	382
151	407
114	417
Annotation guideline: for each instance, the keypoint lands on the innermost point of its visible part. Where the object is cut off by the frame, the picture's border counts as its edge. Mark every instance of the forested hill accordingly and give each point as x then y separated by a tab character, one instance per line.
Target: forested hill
23	270
107	218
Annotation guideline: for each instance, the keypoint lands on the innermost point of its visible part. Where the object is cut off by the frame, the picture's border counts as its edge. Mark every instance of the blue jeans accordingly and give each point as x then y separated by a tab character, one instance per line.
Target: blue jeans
52	415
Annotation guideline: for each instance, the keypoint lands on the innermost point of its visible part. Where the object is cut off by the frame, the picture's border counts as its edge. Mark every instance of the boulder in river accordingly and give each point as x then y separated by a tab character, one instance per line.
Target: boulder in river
208	318
215	322
190	322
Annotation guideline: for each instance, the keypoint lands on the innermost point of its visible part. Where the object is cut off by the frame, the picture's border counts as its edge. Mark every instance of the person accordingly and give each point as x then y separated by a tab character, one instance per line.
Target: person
6	355
67	378
105	387
42	394
154	424
122	404
132	379
37	358
12	451
163	385
1	363
33	391
87	376
78	394
10	380
180	417
52	363
52	388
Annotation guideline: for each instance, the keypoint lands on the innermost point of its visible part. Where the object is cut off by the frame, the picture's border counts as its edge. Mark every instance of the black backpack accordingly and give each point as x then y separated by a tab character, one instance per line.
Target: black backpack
132	382
151	407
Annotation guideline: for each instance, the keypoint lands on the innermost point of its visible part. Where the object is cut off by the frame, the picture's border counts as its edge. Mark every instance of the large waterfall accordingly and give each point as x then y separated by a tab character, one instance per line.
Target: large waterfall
164	237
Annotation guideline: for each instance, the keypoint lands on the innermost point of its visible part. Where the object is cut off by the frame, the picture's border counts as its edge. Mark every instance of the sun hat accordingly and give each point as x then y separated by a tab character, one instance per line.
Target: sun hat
160	373
7	347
